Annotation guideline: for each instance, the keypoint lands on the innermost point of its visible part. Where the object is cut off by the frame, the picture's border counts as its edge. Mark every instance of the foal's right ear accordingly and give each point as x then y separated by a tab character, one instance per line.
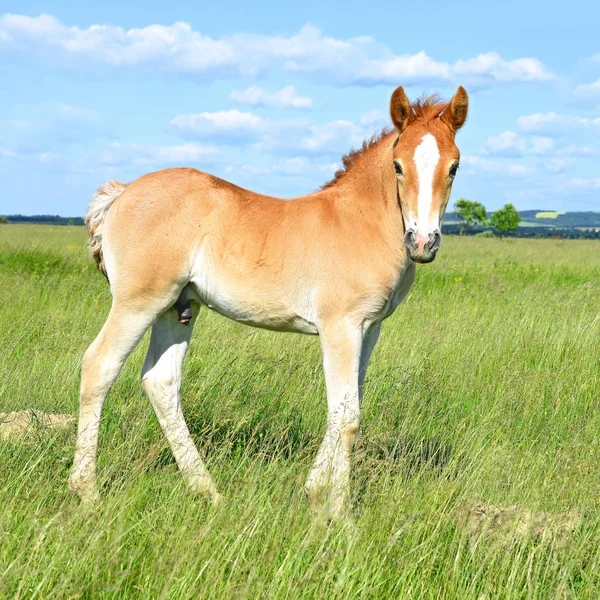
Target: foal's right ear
456	113
400	111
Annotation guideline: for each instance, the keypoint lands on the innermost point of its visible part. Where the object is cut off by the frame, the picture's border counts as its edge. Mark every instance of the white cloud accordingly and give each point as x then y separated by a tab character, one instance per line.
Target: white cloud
582	184
72	112
581	151
588	94
342	135
374	119
555	165
510	144
292	167
554	124
507	143
492	66
284	98
237	127
156	155
224	124
477	164
547	158
7	153
541	145
293	135
334	136
179	48
480	71
46	157
300	165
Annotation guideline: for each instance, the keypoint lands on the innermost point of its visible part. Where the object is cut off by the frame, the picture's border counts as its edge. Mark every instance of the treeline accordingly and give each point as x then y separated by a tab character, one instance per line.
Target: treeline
45	219
526	232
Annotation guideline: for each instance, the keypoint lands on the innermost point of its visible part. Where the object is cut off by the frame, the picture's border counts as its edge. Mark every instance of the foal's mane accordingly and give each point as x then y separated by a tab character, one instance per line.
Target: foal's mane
427	108
424	109
349	160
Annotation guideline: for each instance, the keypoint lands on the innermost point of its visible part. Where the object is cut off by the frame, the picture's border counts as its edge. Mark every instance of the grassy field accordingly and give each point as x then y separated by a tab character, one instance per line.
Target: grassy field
484	388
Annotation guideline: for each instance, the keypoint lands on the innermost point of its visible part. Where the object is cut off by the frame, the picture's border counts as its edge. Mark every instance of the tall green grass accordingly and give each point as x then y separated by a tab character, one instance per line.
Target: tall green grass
484	387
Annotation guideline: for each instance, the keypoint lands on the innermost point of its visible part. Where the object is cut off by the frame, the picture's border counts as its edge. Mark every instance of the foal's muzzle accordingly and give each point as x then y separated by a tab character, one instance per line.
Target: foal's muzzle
422	248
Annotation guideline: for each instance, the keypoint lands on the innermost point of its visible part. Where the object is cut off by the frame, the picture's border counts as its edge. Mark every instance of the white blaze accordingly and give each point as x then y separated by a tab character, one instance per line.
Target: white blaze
427	156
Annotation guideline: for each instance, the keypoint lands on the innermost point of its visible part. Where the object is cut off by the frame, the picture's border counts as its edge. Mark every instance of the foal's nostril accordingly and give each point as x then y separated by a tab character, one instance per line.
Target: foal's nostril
435	240
410	238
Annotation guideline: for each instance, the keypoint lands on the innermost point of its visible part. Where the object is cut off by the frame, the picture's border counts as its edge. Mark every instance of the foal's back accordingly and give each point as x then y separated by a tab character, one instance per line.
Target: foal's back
159	223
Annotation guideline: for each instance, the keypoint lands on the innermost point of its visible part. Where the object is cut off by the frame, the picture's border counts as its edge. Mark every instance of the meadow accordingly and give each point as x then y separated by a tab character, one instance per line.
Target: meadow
484	388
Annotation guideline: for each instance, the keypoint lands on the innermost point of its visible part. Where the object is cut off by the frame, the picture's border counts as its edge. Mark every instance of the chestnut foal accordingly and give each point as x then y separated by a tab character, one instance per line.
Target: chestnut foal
334	263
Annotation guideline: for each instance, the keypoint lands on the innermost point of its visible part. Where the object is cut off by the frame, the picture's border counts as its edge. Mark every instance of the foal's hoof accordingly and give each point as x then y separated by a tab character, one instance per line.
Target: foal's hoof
327	506
340	511
328	516
87	494
317	492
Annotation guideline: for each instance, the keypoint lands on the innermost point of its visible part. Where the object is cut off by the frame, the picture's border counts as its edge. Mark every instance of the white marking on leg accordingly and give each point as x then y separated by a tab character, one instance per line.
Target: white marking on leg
426	157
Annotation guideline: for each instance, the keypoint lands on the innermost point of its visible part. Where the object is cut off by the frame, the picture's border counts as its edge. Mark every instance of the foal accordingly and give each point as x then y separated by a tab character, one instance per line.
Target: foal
334	263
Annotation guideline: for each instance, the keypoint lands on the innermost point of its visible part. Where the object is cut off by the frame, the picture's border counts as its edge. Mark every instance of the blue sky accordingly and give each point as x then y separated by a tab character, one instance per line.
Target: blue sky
270	95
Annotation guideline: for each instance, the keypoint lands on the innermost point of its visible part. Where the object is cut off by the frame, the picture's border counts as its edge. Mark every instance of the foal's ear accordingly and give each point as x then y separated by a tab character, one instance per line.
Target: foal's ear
400	110
456	113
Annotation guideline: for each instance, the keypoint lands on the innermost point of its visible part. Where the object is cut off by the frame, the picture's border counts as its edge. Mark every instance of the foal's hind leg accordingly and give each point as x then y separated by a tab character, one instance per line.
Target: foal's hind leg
161	377
101	364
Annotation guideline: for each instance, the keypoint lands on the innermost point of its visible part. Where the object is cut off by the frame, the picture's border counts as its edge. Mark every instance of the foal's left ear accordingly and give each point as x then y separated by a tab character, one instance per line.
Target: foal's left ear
400	110
456	113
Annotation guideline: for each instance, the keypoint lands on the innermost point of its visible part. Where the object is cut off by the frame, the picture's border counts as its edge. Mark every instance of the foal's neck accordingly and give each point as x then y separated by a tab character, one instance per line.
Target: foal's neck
370	187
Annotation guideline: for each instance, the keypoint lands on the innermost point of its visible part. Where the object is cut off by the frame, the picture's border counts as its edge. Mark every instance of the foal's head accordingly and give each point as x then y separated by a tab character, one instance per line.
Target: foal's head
426	161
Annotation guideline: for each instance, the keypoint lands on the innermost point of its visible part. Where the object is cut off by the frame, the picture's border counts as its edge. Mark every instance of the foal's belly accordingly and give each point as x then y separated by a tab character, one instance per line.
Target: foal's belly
253	301
275	320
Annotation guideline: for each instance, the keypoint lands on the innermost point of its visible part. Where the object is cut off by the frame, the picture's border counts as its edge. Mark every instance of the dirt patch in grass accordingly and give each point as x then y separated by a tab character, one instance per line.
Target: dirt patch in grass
515	523
23	422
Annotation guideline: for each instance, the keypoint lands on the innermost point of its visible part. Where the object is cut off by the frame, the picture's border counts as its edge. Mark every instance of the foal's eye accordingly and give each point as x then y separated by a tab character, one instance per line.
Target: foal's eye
398	169
453	170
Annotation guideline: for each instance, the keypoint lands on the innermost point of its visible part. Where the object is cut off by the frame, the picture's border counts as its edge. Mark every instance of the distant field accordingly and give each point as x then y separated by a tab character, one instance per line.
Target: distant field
535	223
484	388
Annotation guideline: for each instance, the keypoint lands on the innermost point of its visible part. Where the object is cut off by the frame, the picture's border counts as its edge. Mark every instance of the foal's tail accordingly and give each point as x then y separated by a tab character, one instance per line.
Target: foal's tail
96	214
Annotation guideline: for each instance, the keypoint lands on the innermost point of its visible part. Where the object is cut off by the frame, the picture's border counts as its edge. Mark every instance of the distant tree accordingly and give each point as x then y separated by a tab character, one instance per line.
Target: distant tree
506	219
3	220
470	213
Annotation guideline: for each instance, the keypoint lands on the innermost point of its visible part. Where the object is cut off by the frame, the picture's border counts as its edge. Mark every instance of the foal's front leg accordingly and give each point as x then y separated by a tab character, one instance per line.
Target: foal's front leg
329	480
